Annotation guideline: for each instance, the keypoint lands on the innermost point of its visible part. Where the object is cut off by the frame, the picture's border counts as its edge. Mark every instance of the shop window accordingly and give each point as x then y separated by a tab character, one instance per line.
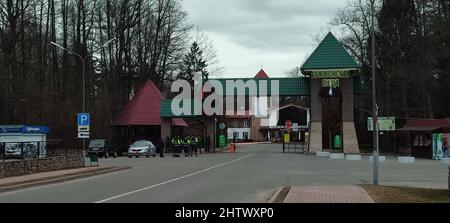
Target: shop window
422	140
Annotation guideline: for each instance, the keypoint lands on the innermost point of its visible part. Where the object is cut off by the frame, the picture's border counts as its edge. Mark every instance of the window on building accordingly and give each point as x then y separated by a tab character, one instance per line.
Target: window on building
246	136
422	140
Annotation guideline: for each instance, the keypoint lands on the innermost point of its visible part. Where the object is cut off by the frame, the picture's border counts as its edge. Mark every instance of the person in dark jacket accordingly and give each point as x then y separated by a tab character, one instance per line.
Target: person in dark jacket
207	143
160	147
168	144
445	150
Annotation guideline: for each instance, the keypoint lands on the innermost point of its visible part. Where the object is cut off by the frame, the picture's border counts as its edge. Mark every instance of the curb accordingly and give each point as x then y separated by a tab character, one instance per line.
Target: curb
61	179
367	194
275	195
280	195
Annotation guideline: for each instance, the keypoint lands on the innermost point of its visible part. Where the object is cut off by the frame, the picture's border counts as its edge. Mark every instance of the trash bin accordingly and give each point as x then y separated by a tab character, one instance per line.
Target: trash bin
94	158
222	141
338	142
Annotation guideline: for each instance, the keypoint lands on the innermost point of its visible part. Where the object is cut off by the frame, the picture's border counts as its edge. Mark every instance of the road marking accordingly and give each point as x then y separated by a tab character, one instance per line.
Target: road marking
173	180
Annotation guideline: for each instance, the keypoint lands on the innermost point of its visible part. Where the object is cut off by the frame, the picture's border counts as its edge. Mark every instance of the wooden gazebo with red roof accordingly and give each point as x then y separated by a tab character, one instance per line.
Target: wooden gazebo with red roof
142	114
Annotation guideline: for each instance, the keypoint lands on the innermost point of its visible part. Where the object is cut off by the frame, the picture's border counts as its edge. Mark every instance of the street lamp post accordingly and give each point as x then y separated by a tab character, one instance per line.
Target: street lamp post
376	148
83	61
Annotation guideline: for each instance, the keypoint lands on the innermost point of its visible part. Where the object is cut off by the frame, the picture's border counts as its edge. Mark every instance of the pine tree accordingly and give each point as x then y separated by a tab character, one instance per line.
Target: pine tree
193	62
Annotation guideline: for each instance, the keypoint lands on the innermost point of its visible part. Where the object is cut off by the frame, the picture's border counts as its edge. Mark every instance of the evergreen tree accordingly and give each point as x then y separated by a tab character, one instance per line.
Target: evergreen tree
193	62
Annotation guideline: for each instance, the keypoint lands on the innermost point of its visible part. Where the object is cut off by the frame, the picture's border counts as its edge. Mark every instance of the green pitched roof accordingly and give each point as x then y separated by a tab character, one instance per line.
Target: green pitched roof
330	54
287	86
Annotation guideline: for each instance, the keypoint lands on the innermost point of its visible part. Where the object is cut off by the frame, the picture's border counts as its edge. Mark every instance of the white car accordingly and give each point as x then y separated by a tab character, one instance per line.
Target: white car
142	148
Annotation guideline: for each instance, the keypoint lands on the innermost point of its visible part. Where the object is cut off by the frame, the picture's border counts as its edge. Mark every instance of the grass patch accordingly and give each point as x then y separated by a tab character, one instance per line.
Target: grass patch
385	194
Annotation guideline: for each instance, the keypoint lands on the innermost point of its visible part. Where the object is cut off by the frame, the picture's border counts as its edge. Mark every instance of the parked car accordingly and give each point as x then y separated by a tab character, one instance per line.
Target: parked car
142	148
103	148
21	150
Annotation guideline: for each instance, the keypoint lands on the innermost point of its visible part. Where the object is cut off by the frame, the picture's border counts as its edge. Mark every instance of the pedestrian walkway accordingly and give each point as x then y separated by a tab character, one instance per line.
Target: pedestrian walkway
327	194
9	183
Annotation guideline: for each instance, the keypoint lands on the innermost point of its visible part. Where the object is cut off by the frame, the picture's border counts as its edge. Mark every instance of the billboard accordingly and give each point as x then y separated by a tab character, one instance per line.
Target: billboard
440	143
385	124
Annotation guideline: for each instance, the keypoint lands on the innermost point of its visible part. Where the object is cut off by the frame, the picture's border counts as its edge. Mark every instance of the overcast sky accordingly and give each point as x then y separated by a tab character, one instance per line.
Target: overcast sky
274	34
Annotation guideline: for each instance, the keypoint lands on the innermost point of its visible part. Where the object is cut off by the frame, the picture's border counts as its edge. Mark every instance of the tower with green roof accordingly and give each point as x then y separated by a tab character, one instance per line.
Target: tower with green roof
331	70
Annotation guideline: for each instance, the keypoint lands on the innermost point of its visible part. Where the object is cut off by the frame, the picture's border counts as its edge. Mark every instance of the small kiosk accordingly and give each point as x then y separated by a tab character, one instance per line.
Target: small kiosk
11	135
428	137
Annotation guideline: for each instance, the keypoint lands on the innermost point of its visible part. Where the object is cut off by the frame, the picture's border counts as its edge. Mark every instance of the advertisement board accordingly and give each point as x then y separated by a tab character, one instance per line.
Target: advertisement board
440	145
384	124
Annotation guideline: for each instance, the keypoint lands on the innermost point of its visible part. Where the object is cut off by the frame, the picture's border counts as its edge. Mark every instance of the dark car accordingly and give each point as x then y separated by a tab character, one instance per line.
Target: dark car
103	148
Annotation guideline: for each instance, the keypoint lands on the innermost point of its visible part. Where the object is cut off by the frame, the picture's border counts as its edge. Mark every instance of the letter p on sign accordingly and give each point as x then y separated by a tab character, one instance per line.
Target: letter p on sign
83	119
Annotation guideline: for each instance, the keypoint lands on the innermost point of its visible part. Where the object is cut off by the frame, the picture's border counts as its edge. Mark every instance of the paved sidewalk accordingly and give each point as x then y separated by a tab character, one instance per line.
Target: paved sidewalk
12	183
328	194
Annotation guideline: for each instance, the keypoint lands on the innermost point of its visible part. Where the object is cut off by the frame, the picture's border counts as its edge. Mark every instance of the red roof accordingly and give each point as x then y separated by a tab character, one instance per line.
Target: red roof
261	75
144	109
425	125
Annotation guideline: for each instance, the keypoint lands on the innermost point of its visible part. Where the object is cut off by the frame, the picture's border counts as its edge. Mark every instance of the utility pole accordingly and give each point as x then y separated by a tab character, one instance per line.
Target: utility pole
83	61
376	152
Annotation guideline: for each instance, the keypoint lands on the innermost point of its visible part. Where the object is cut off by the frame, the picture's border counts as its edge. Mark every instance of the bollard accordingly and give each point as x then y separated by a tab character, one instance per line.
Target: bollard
232	147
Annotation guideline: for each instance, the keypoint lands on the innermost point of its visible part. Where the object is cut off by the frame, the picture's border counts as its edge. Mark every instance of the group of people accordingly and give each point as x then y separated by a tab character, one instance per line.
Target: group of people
190	145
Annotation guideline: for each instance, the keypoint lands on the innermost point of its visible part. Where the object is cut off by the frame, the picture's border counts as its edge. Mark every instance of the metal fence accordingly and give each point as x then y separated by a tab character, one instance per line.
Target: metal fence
38	149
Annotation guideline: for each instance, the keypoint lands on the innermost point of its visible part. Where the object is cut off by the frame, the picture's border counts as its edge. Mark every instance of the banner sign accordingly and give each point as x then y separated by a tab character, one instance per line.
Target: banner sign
330	83
440	145
287	138
25	129
330	74
385	124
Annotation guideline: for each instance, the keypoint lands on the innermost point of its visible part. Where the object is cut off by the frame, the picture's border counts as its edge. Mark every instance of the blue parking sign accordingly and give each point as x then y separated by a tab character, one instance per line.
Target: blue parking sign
84	119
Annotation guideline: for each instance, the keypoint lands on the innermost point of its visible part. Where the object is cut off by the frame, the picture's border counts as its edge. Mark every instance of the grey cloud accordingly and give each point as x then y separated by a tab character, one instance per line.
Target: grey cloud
263	24
281	27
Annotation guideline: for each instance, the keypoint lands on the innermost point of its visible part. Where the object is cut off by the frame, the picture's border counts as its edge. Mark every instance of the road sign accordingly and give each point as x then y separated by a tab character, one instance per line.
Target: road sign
385	124
222	126
84	119
83	128
295	127
222	141
83	135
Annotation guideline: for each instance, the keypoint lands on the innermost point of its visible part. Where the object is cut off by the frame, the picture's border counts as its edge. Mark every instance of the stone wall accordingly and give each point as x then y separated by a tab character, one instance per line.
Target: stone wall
316	116
24	167
316	137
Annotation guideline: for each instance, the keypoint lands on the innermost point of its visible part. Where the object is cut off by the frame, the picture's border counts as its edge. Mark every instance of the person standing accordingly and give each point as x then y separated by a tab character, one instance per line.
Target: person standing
167	144
161	147
445	150
187	146
194	145
176	146
207	142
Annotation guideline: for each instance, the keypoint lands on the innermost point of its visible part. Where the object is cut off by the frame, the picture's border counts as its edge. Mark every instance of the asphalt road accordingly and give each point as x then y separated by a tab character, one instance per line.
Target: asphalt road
250	175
